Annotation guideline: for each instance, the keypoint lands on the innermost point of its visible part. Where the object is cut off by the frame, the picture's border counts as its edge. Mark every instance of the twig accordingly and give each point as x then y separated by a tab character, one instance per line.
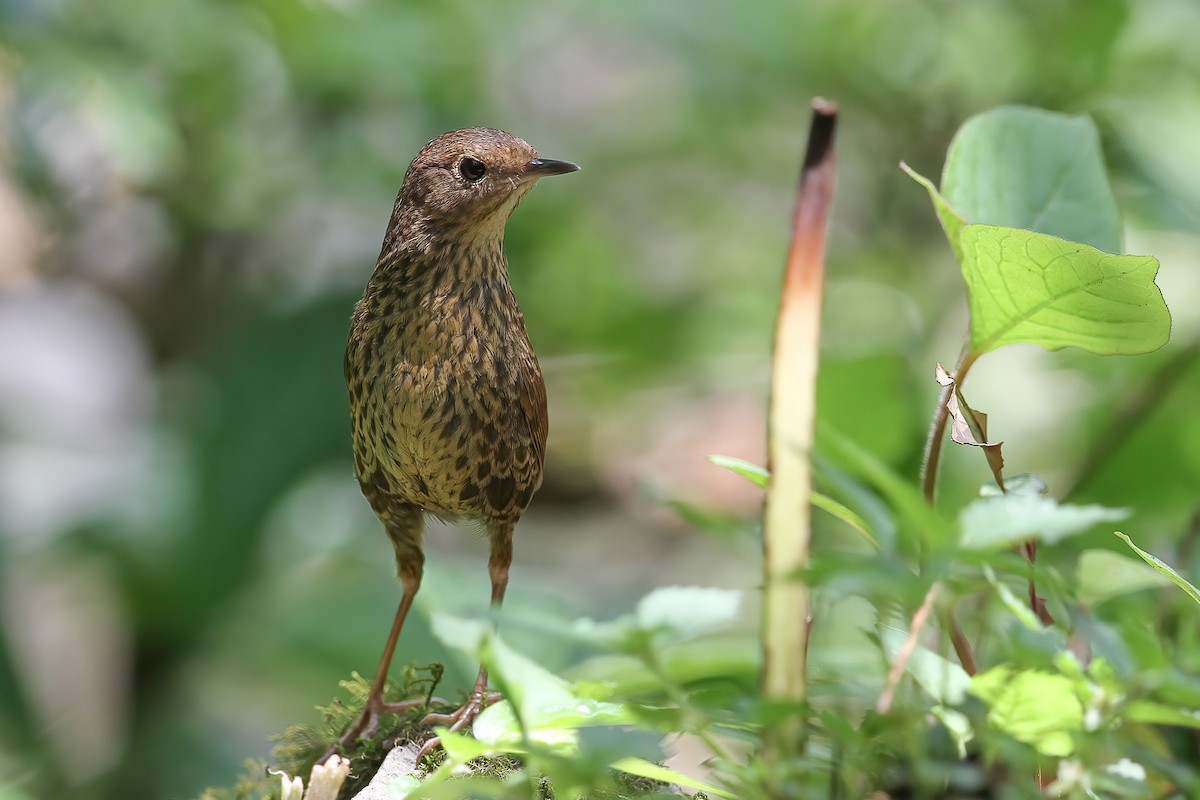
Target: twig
962	647
933	444
884	704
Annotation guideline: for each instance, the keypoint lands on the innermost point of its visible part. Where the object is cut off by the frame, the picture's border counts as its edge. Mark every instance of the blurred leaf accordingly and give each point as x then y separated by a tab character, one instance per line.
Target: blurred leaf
669	615
1033	288
1103	575
958	725
873	399
1005	520
836	509
751	472
860	500
657	772
1019	608
923	522
1033	169
686	612
1159	714
709	520
944	681
1164	568
726	658
762	479
1123	778
1038	708
553	726
464	635
535	693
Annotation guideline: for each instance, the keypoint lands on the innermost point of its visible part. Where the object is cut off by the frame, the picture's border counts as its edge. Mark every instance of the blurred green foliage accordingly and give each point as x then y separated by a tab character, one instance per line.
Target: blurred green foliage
191	197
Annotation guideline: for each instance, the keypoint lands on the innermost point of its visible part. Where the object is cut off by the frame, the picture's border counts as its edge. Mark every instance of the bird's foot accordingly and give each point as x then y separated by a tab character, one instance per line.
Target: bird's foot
457	720
367	723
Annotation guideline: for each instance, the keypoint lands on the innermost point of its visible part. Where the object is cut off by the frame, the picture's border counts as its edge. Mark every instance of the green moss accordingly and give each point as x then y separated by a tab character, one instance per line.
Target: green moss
300	746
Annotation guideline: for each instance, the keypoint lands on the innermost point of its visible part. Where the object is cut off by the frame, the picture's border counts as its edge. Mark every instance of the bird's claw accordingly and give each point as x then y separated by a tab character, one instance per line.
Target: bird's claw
367	723
458	719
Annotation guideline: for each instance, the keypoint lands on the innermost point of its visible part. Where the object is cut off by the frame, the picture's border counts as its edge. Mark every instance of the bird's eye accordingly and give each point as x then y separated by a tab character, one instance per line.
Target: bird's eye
472	169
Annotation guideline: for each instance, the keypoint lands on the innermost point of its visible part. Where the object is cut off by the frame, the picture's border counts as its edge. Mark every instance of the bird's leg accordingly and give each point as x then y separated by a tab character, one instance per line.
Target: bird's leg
410	562
498	563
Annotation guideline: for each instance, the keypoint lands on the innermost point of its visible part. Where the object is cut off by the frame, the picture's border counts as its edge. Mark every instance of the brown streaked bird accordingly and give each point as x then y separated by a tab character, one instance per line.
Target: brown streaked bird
447	402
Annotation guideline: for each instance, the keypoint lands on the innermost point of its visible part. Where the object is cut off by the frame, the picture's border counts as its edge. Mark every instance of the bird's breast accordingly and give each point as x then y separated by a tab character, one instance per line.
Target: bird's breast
446	393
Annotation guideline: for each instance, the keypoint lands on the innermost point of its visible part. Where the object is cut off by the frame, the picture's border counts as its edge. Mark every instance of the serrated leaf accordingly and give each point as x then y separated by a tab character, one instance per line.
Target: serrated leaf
1038	708
1029	287
999	521
1028	168
1164	568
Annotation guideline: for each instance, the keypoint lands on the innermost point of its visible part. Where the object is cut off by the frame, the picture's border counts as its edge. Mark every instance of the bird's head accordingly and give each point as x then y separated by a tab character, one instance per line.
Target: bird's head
470	180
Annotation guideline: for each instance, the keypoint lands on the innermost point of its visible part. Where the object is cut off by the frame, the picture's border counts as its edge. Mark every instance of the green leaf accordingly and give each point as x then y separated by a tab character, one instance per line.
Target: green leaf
945	681
464	635
1164	568
1159	714
1038	708
461	748
657	772
958	725
1030	287
999	521
911	508
1019	608
685	612
534	692
762	479
1027	168
751	472
836	509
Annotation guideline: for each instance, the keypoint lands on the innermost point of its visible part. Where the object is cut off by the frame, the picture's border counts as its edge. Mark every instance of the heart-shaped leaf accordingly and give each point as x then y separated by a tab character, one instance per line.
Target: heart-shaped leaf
1028	168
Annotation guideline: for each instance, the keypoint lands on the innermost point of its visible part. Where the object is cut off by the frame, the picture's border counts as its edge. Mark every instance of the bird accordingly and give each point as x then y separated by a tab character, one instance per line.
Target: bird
447	401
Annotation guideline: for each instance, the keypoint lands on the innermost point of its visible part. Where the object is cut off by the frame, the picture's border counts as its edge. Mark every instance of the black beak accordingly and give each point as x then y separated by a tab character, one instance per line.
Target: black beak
541	167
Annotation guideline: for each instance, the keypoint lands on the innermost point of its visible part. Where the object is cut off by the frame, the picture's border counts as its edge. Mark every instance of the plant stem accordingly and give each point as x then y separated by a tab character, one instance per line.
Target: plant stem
933	445
791	418
884	704
929	472
962	647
